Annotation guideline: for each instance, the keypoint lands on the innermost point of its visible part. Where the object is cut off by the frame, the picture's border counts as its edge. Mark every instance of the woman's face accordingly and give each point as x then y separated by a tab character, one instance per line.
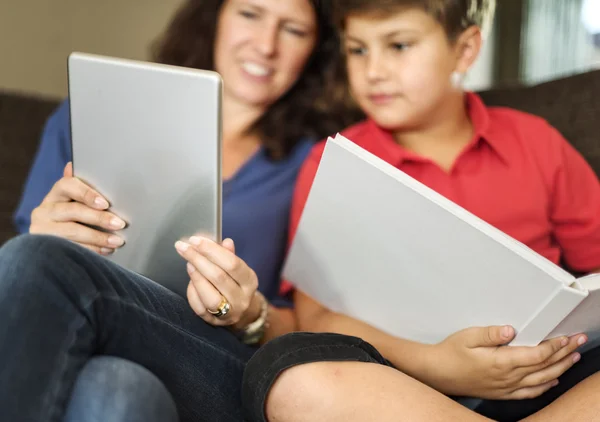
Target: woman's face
262	47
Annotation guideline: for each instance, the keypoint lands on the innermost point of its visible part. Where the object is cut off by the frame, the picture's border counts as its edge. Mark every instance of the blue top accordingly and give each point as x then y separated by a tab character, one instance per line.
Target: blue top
256	201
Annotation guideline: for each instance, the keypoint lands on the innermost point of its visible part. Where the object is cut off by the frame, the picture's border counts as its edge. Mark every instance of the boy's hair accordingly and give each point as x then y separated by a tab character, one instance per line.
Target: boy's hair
454	15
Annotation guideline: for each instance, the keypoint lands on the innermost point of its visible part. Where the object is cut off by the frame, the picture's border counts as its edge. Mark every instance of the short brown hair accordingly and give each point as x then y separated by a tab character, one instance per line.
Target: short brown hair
454	15
313	107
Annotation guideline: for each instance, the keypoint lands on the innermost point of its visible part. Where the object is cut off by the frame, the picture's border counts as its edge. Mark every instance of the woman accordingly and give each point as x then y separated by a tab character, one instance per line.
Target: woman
67	304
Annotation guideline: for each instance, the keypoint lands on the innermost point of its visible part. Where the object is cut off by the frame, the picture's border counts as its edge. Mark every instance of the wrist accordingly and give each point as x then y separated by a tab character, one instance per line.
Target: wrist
251	314
417	360
251	330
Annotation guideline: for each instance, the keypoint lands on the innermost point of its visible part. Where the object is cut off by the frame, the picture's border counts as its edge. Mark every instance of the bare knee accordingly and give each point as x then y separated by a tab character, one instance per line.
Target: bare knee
306	391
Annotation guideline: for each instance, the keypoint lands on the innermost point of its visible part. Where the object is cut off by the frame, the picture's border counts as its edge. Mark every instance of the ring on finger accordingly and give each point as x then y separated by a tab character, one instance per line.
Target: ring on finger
222	310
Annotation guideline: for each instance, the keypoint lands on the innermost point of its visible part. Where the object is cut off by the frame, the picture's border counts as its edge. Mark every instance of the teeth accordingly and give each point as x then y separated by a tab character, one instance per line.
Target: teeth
255	69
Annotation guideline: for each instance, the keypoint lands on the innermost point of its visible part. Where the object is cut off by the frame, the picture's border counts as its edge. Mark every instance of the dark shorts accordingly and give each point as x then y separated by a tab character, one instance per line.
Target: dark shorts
300	348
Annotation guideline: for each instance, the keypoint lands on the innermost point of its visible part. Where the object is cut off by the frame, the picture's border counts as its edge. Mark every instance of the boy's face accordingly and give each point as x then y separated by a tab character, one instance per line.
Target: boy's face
399	67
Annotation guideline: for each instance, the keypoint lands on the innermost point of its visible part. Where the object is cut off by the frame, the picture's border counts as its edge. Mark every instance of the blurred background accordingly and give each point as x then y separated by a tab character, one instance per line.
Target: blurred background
531	40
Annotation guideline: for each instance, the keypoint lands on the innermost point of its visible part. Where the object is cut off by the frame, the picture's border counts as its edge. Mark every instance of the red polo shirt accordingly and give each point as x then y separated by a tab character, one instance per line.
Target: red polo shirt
518	174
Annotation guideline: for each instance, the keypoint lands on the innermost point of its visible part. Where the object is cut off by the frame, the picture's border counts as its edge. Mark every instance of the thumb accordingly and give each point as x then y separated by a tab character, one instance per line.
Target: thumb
68	171
229	245
490	336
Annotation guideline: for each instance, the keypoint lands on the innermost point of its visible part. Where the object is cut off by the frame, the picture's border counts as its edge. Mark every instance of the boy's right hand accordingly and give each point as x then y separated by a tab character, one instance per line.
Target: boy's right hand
476	363
70	208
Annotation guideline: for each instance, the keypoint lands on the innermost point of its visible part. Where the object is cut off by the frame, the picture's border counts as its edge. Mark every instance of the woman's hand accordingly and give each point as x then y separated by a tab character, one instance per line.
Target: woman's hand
68	211
216	273
475	362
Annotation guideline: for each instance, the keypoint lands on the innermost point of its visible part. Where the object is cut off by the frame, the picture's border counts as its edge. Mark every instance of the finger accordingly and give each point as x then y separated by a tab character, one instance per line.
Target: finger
81	213
201	310
209	295
552	372
488	336
68	171
82	234
229	245
72	189
530	392
573	343
226	260
522	356
98	250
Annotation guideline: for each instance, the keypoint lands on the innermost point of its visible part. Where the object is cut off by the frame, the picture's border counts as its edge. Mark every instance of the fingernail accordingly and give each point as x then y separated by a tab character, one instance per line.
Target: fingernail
190	268
555	383
506	332
101	202
581	341
106	251
117	223
576	358
564	342
181	246
116	241
195	240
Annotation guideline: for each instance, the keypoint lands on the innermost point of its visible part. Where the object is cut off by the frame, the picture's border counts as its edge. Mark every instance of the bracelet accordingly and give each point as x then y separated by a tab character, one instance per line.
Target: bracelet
253	333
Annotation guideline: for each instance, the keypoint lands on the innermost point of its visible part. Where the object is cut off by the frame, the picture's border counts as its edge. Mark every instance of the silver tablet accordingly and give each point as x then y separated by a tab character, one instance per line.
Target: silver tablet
148	137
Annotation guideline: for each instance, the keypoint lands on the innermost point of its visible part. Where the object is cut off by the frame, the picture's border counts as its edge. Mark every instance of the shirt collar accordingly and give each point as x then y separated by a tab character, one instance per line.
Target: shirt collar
385	145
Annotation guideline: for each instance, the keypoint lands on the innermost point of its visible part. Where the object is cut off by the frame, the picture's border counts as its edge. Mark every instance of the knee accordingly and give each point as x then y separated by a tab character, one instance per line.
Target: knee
310	389
296	374
115	389
28	260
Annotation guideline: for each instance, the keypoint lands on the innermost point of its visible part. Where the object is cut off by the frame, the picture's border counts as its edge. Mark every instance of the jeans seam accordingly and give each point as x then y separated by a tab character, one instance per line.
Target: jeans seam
71	339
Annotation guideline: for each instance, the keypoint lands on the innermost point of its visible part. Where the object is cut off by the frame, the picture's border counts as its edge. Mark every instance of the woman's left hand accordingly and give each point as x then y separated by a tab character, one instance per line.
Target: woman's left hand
217	273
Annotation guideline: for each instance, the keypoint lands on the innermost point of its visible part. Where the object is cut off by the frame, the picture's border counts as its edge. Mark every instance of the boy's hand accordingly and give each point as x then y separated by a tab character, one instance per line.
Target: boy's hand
476	363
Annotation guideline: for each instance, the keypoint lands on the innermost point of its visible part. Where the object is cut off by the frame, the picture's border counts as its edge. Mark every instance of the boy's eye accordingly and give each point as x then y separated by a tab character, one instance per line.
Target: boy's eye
399	46
356	51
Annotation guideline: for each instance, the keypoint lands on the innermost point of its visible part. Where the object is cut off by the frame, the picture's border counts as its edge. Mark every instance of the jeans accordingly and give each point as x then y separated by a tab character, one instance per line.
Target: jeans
117	390
61	304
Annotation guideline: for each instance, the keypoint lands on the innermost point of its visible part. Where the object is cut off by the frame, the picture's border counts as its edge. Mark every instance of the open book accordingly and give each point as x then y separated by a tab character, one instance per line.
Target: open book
375	244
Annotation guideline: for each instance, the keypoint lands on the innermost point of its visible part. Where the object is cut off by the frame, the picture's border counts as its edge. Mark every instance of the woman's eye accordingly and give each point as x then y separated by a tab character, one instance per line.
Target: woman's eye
297	32
248	14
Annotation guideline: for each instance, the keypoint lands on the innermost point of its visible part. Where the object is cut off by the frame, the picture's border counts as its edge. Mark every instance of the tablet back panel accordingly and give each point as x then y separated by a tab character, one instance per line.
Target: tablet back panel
148	137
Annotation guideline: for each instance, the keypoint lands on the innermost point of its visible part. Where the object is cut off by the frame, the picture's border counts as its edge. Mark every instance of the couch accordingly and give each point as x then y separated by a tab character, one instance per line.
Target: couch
571	104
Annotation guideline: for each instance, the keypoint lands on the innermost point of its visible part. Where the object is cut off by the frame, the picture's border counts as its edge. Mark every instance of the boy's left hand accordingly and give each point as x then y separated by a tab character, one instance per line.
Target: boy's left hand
217	273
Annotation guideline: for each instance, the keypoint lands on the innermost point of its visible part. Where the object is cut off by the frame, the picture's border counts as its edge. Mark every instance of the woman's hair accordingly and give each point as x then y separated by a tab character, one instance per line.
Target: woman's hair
316	106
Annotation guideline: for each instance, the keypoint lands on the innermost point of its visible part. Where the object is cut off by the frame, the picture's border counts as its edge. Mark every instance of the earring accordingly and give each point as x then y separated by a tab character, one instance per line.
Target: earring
457	79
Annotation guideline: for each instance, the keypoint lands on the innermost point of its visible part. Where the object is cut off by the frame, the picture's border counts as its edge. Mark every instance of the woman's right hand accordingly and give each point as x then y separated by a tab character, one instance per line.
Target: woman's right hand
71	210
476	363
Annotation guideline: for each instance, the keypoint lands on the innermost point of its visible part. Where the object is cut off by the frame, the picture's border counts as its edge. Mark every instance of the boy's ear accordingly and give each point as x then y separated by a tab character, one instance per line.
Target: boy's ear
468	46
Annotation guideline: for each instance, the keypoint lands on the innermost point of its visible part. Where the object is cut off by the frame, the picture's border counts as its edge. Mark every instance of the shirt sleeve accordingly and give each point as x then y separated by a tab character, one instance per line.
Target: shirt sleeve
306	176
575	208
53	153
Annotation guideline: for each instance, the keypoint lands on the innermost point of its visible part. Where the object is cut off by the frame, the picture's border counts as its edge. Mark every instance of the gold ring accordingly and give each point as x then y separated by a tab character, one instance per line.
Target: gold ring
222	310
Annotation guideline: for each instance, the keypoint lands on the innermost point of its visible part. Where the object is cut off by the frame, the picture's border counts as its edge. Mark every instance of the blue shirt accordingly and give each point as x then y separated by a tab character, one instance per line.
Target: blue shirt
256	201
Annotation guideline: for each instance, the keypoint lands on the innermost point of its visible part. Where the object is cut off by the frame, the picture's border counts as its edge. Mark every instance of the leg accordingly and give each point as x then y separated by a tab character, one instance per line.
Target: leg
116	390
308	377
511	410
305	377
61	304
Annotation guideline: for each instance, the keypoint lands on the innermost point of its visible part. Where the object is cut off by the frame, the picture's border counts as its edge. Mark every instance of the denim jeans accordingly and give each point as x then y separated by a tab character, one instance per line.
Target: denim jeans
110	389
61	304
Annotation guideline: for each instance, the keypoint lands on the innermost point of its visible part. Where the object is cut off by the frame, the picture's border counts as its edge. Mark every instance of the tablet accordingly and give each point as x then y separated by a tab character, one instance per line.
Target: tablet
147	136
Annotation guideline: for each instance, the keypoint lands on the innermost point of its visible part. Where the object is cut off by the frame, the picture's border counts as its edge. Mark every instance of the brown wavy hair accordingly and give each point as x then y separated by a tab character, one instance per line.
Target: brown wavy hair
315	106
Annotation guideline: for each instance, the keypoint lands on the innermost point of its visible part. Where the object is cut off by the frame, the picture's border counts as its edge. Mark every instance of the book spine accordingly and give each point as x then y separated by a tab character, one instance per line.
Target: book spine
558	306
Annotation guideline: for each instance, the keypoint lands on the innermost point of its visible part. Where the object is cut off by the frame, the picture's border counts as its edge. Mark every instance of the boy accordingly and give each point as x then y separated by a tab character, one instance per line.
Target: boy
405	61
